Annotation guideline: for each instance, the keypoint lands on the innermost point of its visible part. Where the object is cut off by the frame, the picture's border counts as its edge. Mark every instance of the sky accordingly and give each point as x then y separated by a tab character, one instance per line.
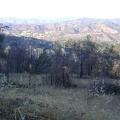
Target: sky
60	8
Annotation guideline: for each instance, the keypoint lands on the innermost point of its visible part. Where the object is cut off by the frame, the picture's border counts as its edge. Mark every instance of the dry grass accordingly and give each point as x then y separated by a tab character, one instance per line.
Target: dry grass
52	103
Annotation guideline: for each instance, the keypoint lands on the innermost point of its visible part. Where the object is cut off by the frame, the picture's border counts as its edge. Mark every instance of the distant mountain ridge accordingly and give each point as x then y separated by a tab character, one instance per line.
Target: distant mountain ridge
64	29
38	21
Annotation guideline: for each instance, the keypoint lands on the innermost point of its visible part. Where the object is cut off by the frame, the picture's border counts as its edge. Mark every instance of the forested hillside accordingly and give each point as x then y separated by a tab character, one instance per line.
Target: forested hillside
58	59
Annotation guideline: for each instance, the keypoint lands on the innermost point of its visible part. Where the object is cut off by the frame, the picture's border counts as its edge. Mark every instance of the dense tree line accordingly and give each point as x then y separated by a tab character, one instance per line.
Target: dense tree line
80	57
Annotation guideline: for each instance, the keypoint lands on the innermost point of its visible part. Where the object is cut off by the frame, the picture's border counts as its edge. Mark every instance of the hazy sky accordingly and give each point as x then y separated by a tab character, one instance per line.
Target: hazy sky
60	8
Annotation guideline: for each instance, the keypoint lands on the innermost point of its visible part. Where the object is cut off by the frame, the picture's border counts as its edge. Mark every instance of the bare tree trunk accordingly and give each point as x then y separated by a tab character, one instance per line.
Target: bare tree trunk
51	77
81	69
30	70
46	78
8	67
63	77
29	79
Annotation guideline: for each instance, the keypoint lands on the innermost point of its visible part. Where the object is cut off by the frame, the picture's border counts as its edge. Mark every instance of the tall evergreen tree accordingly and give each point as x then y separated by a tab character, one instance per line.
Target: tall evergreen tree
1	42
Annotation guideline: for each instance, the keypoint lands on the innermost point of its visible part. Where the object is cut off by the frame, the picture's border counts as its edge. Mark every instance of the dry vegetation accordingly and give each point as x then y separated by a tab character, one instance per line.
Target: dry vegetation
43	102
100	30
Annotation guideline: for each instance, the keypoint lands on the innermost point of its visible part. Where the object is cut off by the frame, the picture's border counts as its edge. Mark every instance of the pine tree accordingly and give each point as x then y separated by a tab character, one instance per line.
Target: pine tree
1	42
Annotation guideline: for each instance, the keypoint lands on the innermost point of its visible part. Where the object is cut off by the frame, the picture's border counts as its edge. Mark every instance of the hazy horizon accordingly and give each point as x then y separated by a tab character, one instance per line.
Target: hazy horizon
51	18
101	9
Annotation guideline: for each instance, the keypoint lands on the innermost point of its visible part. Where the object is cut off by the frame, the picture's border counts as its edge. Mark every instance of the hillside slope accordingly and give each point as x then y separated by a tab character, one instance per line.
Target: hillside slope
99	30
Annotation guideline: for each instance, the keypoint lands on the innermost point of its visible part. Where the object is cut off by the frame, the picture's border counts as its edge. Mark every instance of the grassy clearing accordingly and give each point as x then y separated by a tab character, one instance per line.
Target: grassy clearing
50	103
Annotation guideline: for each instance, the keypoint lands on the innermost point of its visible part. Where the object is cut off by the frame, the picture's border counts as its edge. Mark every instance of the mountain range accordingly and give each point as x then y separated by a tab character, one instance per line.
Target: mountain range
64	29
